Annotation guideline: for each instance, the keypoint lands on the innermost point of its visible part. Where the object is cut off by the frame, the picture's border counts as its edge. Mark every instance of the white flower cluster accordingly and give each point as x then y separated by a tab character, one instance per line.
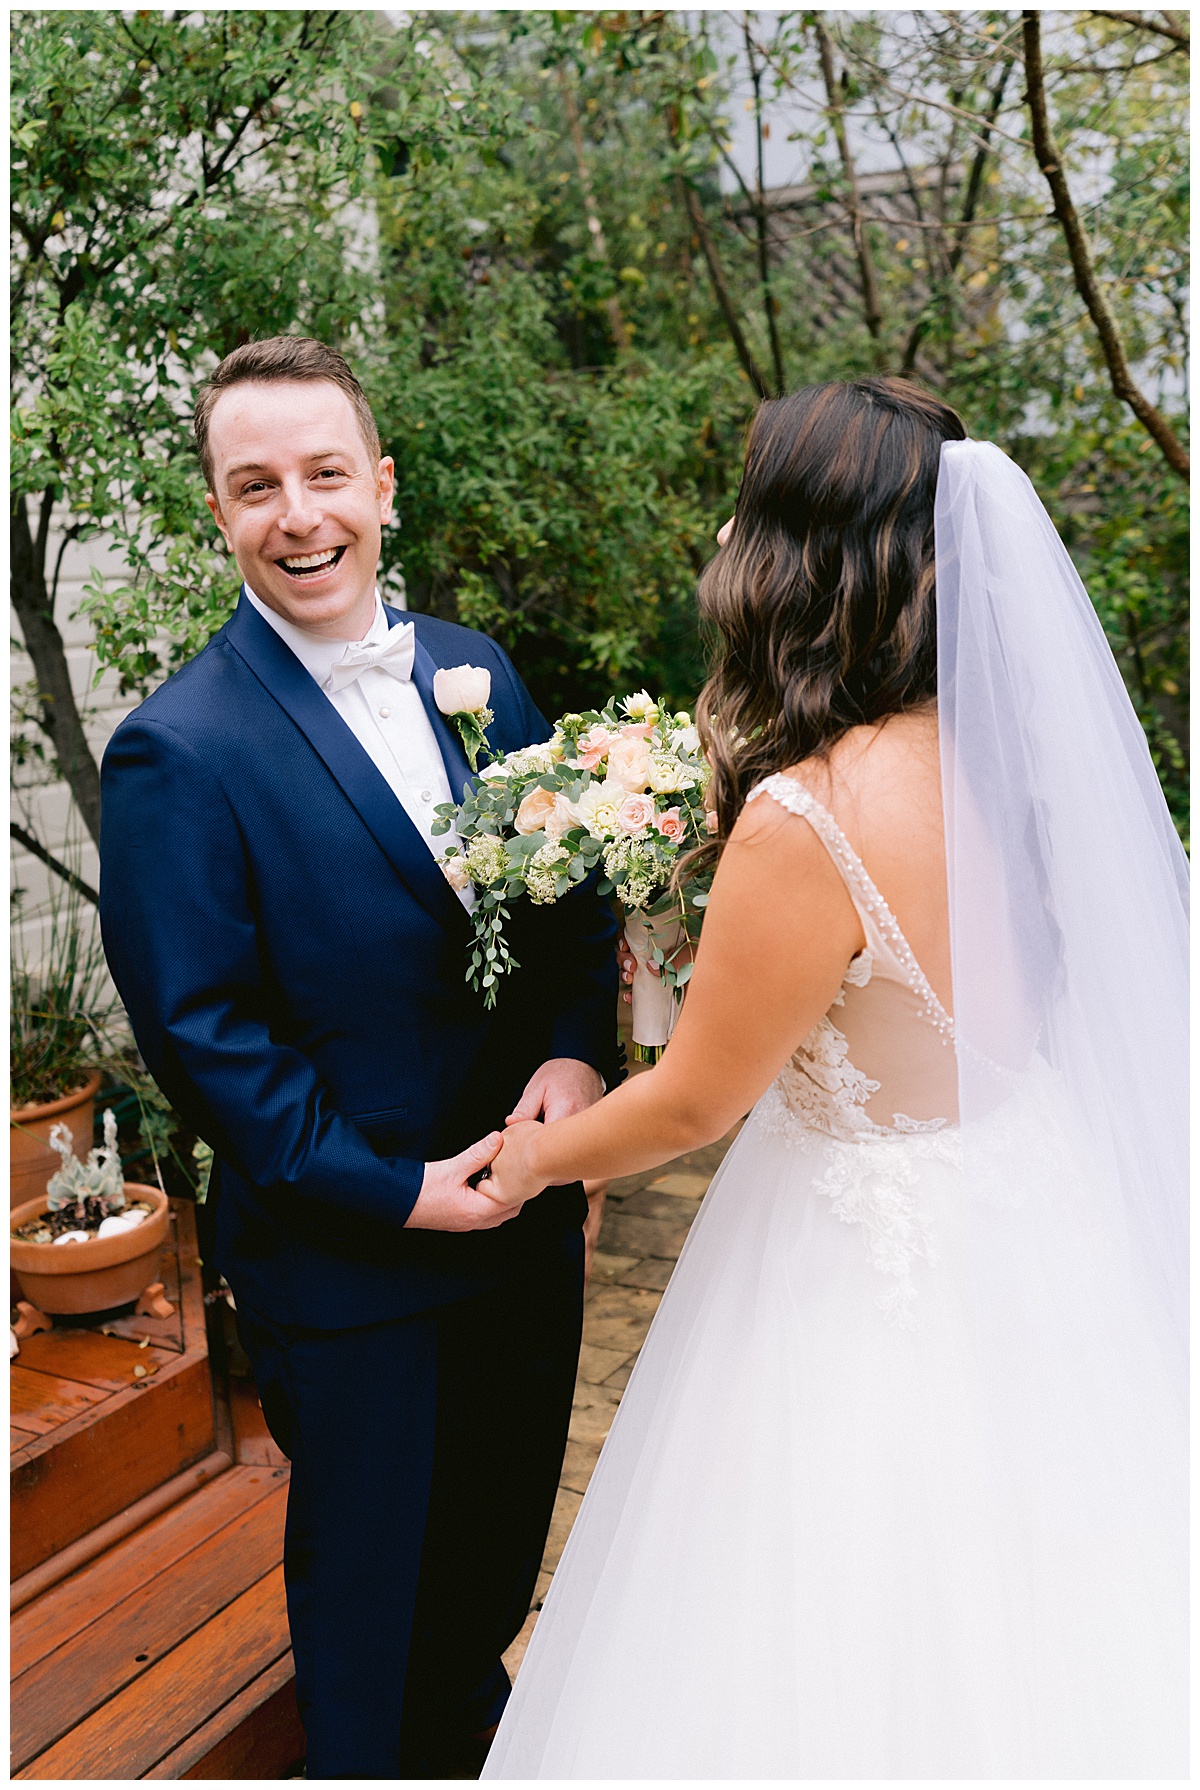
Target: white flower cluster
545	867
634	869
530	761
487	859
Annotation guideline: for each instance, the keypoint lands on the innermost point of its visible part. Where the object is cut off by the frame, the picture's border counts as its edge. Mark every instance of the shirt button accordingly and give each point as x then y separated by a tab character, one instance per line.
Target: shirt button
384	713
427	795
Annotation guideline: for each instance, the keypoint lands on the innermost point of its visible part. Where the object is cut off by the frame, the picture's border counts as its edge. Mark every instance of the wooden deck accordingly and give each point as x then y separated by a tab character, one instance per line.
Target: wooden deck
149	1635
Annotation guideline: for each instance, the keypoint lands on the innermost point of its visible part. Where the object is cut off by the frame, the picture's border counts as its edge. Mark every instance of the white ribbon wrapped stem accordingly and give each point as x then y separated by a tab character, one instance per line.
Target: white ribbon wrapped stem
655	1006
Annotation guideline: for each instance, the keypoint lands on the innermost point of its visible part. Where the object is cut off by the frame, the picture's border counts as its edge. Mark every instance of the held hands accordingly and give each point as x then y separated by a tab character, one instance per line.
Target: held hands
513	1177
448	1202
560	1088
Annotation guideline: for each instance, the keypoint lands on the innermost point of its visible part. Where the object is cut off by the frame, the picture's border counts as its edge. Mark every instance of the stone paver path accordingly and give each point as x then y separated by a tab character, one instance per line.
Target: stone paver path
646	1219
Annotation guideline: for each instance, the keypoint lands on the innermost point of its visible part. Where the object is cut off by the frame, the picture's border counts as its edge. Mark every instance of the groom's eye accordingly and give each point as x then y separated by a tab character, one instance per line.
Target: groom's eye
331	472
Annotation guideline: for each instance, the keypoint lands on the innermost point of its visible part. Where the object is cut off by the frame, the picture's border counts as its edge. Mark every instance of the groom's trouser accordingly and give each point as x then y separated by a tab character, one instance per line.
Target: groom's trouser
425	1460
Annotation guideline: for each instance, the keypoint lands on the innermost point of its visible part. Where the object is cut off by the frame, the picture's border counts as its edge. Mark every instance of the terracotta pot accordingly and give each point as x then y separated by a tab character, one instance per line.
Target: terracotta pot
91	1276
31	1160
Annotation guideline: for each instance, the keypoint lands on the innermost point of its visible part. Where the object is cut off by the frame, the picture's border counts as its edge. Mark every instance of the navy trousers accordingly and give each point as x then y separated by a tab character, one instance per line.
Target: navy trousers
425	1459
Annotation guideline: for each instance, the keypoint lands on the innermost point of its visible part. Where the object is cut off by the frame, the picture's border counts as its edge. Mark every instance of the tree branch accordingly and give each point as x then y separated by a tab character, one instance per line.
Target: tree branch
967	216
1049	161
39	851
1175	33
58	712
695	212
760	221
862	248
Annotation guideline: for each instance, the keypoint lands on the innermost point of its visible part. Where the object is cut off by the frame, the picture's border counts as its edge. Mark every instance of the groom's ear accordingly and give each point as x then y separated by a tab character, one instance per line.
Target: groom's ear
217	517
387	489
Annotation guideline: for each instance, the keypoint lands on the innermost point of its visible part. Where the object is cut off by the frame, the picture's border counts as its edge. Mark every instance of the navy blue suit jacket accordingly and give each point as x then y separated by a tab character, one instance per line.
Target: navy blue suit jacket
292	961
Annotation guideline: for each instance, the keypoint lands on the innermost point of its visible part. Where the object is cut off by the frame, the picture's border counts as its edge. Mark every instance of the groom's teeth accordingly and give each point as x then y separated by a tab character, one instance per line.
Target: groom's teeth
306	562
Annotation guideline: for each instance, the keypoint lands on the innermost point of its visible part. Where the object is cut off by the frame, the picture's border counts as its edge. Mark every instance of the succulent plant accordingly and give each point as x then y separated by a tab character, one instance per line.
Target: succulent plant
100	1178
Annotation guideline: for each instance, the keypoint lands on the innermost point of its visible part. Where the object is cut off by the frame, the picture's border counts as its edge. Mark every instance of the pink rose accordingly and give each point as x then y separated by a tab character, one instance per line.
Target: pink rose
638	730
711	821
635	814
629	763
535	811
593	747
670	825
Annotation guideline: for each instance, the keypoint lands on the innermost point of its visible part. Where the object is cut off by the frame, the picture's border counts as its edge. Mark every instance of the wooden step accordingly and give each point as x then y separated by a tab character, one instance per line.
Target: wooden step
168	1656
99	1420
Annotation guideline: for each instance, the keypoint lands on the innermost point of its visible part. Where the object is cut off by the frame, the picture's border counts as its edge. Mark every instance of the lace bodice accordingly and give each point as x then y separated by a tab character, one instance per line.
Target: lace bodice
878	1083
886	1063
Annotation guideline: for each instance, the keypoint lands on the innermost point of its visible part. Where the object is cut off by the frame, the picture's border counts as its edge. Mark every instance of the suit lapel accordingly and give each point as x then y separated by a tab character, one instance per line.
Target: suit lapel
458	771
281	673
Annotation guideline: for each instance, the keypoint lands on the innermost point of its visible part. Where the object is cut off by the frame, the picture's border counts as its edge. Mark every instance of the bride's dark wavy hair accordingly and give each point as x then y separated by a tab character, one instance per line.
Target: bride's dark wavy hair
823	597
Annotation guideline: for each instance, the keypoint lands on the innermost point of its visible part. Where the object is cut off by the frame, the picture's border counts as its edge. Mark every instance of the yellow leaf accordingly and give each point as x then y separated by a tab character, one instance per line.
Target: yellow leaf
58	220
355	109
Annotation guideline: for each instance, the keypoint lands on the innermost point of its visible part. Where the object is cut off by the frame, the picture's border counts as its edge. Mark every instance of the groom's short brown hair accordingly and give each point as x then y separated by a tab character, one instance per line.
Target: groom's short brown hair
279	358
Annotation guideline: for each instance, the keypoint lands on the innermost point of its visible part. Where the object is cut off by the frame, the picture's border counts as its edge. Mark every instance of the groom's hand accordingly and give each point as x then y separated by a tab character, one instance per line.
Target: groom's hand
558	1090
448	1202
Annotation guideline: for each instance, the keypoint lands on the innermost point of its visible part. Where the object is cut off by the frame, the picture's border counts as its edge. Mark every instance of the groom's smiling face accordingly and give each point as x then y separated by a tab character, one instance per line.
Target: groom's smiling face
301	501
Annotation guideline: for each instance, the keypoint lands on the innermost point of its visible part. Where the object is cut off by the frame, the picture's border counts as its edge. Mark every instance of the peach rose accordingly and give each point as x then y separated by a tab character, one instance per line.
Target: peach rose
456	873
629	763
562	820
711	821
635	814
638	730
670	825
535	811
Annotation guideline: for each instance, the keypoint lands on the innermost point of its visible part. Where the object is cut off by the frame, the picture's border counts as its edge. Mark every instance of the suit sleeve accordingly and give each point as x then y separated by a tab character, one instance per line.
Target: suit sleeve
577	968
177	918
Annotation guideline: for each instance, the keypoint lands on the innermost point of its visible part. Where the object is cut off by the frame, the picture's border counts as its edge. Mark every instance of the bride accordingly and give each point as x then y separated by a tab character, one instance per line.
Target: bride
897	1486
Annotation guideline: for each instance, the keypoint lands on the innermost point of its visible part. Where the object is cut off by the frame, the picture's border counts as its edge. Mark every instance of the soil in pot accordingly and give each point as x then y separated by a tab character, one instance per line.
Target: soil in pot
92	1275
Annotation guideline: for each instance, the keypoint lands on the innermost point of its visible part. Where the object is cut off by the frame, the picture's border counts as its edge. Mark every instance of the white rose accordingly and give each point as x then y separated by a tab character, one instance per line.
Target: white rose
686	739
462	690
598	807
667	775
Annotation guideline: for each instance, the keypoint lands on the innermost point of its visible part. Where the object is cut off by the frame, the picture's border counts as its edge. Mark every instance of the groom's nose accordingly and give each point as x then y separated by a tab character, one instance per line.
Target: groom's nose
300	512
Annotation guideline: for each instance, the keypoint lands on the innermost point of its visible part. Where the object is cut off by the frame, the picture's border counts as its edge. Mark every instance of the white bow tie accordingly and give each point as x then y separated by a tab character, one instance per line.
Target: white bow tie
393	655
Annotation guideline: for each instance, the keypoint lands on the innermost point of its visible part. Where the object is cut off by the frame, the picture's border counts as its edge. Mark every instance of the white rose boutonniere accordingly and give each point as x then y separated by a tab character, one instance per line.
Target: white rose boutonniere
461	693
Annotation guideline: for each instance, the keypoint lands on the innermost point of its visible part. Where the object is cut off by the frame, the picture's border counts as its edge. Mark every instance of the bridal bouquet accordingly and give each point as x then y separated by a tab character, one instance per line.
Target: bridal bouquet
620	789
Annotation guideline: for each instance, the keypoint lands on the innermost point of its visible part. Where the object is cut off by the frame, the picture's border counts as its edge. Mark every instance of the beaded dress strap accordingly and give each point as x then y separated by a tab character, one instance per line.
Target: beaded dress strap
797	800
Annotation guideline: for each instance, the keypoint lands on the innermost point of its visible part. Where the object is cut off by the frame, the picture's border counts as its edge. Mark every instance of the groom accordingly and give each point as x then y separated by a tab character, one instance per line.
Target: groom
292	960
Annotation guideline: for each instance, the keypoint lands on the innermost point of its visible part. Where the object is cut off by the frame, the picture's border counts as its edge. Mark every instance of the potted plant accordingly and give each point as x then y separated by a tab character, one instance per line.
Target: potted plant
58	1018
91	1241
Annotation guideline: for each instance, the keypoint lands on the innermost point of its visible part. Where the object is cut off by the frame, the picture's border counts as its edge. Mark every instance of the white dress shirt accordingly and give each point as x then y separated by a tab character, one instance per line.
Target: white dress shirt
386	717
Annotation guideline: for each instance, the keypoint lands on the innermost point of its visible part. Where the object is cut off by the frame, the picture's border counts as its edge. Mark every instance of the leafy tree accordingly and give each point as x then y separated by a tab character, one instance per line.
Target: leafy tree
178	186
573	299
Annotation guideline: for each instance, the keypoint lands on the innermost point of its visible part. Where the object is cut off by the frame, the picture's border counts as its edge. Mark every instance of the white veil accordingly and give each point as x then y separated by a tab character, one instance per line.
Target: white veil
1067	881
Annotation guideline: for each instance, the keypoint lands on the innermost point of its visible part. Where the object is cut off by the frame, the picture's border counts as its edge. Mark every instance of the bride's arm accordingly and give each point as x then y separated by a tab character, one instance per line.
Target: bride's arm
778	935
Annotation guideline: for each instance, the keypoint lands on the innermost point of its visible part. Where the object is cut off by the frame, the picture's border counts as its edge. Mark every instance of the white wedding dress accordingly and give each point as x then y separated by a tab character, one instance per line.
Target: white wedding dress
797	1556
897	1488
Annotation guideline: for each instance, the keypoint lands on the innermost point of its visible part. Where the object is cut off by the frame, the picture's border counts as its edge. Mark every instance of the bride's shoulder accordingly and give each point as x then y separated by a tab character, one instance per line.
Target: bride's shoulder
875	778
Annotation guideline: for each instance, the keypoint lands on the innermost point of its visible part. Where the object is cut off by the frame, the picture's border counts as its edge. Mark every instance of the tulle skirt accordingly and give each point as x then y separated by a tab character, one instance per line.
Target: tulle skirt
841	1528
